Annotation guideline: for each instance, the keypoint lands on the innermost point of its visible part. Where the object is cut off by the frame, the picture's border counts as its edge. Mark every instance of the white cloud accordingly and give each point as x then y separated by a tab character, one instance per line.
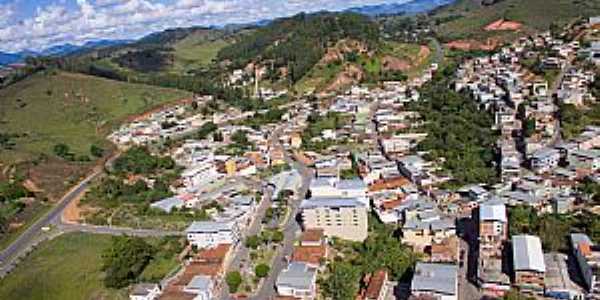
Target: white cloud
119	19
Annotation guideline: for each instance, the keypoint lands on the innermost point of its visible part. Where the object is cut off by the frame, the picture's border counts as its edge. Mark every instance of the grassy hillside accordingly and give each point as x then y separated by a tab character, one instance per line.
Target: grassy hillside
466	19
195	51
47	274
77	110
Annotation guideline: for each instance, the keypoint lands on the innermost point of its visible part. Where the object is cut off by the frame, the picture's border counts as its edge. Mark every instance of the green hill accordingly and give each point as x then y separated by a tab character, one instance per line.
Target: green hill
467	19
77	110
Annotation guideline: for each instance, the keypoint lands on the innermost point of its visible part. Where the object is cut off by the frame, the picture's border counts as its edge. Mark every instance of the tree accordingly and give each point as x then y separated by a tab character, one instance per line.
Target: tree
234	280
261	270
96	151
277	236
529	127
240	137
342	283
252	242
125	260
61	150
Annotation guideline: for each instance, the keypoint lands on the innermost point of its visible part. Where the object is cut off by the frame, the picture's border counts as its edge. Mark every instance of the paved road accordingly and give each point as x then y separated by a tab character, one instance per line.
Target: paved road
25	240
291	229
21	245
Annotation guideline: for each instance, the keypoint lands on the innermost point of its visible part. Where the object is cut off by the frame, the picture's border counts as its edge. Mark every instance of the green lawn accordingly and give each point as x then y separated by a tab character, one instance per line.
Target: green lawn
78	110
65	268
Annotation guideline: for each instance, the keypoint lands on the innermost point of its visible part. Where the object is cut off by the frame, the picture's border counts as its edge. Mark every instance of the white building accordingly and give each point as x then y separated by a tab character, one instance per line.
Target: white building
298	281
202	286
439	281
207	234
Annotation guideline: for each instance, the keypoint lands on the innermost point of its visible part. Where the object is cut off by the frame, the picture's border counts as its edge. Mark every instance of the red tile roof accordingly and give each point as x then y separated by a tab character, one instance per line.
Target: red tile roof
309	254
376	284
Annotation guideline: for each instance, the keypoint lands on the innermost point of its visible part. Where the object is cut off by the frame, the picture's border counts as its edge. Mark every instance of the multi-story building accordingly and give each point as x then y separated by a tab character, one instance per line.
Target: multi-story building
528	264
493	228
345	218
208	234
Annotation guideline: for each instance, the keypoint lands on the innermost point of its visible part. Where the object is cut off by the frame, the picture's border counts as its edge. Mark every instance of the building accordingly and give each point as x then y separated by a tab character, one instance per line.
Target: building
332	187
145	291
207	234
424	228
557	281
202	286
298	281
438	281
378	286
491	278
345	218
312	249
587	255
493	228
528	264
544	160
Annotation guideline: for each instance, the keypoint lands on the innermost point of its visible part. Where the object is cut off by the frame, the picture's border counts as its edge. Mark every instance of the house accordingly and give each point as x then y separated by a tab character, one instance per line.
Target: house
424	228
558	281
528	264
493	228
345	218
587	255
298	280
208	234
312	249
378	286
491	278
202	286
438	281
445	251
145	291
332	187
544	160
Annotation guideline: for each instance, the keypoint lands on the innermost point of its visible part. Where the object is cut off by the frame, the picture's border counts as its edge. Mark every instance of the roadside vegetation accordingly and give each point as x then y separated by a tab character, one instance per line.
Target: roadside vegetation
123	196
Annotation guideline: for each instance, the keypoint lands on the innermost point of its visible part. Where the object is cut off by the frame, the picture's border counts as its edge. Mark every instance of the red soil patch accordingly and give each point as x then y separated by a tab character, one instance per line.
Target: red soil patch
501	25
395	64
467	45
350	76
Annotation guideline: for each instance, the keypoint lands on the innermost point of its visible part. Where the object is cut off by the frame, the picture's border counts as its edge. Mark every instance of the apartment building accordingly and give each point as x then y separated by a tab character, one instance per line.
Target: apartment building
345	218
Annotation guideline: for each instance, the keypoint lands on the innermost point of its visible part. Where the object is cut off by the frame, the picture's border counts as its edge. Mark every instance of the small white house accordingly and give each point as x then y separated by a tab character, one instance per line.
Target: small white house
298	281
145	291
202	286
208	234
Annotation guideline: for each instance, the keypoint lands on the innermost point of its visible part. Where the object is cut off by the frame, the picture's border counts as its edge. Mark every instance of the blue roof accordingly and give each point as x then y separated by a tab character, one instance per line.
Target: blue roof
356	183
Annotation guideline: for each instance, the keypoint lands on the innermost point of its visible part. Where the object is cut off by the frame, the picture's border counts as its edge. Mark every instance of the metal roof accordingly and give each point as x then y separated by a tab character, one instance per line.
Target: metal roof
331	202
528	254
209	227
439	278
492	211
297	275
200	283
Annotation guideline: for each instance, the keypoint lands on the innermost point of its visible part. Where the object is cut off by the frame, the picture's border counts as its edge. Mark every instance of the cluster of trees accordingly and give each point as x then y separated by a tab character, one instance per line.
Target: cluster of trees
10	193
7	141
299	42
112	191
127	257
382	250
63	151
125	260
316	125
553	229
146	60
458	132
271	116
139	160
206	129
266	237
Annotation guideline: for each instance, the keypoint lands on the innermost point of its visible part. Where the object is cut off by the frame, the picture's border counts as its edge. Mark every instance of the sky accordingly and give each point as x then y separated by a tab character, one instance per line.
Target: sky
38	24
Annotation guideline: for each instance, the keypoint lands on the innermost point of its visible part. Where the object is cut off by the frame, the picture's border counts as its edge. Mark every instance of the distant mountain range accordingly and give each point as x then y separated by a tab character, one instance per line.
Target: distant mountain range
411	7
58	50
